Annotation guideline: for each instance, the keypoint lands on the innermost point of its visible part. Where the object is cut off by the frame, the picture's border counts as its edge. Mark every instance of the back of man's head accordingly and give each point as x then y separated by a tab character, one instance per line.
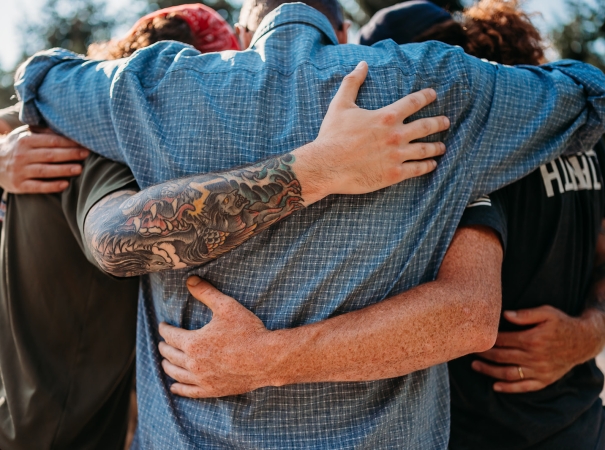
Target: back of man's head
254	11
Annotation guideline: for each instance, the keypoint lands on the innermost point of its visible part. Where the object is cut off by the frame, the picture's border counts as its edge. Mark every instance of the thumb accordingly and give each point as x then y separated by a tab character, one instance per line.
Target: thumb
528	316
208	294
349	88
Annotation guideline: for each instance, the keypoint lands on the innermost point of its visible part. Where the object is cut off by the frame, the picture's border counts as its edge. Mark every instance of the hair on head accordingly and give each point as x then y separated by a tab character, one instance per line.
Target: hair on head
498	30
256	10
148	33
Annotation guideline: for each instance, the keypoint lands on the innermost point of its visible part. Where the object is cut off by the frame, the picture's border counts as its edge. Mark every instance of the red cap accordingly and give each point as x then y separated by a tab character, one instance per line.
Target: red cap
211	33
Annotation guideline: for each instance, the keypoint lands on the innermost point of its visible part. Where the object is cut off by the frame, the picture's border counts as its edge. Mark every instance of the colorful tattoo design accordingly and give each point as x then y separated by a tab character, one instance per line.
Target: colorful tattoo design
192	220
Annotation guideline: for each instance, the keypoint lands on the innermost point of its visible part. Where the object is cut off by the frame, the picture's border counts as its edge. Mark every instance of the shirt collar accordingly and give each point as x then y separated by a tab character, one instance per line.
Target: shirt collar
295	13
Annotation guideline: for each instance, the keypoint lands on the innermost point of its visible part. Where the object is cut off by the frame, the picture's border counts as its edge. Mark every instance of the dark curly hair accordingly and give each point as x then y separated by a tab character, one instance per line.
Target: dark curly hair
500	31
149	32
497	30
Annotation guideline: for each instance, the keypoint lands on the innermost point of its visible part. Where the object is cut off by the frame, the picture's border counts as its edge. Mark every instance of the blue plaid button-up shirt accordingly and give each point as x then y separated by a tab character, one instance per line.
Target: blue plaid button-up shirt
169	111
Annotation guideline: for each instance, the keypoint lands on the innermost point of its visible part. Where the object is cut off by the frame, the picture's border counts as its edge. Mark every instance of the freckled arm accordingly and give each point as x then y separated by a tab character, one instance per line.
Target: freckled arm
433	323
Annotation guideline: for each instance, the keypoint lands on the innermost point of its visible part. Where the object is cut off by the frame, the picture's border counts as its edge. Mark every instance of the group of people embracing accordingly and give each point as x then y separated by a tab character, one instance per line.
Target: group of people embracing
438	280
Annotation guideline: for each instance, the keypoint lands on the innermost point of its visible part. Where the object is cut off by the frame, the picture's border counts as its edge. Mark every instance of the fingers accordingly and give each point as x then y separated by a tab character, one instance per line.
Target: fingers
48	140
416	169
178	373
176	337
422	150
42	187
505	356
349	88
34	171
511	339
422	128
55	155
505	373
187	390
208	294
513	383
519	386
529	316
411	103
173	355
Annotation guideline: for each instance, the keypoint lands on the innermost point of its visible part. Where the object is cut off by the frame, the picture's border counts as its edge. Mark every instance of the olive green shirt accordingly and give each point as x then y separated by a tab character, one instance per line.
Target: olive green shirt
67	330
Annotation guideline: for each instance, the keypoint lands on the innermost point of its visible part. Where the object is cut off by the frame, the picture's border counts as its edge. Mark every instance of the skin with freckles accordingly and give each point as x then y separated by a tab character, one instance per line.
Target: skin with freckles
435	322
190	221
554	345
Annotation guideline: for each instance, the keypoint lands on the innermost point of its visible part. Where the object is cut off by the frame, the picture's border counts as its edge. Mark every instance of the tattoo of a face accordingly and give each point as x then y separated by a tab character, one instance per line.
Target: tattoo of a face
191	220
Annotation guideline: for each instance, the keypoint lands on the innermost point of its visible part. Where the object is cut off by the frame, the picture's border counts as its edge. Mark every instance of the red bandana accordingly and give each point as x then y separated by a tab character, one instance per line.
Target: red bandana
210	31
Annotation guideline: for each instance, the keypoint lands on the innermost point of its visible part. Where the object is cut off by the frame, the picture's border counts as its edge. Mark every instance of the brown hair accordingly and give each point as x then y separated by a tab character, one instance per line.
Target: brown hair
148	33
499	31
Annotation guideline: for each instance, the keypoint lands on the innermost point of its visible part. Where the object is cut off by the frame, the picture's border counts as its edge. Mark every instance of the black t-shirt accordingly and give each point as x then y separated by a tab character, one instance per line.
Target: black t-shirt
67	330
549	223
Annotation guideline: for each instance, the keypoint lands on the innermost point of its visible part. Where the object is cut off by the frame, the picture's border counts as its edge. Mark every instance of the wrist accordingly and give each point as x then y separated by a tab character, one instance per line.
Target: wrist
592	326
312	172
276	371
288	353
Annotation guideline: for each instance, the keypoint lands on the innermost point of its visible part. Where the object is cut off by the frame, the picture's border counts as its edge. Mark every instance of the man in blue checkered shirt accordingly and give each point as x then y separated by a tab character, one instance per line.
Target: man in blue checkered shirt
169	112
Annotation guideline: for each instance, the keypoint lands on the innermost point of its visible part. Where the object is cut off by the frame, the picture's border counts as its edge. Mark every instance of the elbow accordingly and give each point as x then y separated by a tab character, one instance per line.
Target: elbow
105	264
486	338
483	320
104	261
101	252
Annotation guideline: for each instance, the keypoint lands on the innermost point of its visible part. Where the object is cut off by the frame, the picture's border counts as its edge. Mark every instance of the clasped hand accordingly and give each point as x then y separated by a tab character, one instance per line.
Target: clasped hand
37	163
228	356
545	353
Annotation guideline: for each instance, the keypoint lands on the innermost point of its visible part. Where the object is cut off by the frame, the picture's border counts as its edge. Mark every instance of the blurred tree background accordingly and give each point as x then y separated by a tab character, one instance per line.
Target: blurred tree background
582	37
74	24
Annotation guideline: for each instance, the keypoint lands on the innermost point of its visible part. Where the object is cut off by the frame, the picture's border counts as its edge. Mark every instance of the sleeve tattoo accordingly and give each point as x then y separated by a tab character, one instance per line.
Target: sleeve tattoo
190	221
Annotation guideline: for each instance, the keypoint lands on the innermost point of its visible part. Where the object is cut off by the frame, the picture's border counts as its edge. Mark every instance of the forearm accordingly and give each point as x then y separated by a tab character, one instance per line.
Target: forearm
592	327
430	324
190	221
412	331
592	320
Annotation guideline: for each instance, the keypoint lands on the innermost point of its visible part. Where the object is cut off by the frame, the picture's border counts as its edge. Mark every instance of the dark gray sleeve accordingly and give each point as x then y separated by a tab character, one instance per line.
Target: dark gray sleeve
488	211
100	177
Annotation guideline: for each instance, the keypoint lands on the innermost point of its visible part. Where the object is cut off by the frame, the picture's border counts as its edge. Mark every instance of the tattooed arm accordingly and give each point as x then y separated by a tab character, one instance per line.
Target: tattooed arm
192	220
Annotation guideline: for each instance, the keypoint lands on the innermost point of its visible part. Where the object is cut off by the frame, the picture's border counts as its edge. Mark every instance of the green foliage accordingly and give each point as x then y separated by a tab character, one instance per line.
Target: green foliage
71	24
75	24
582	37
6	89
